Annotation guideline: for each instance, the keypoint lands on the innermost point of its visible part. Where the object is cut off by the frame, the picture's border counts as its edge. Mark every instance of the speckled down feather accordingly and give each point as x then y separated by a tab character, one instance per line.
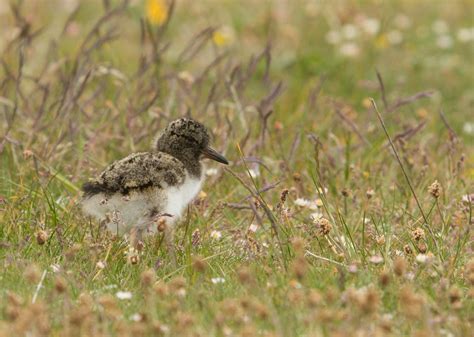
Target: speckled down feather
184	139
138	171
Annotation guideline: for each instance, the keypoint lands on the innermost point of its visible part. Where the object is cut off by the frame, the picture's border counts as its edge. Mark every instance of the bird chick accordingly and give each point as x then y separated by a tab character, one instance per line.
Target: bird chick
134	194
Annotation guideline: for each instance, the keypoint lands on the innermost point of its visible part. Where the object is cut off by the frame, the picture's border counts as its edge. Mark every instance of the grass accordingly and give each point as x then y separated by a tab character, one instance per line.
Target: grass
334	218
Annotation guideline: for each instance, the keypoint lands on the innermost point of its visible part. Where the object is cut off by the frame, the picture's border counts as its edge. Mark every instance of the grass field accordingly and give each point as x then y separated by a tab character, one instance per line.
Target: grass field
335	218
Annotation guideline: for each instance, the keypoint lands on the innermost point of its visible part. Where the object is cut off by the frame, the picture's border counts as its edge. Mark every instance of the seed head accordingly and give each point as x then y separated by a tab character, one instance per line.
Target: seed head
14	299
399	266
41	237
12	312
380	239
110	306
435	189
161	225
365	299
133	256
314	298
278	126
80	314
284	195
455	297
147	278
469	272
185	320
418	234
384	278
370	301
196	238
407	249
422	248
245	276
370	193
324	226
72	251
32	273
297	177
161	289
60	284
300	267
298	244
199	264
261	310
178	286
411	303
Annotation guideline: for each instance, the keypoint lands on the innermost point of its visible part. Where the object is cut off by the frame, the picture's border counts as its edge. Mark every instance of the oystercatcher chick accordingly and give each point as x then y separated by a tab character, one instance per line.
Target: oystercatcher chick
144	190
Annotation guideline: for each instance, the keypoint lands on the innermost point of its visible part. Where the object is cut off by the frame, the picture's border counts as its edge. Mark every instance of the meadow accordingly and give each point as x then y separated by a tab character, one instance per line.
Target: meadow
346	209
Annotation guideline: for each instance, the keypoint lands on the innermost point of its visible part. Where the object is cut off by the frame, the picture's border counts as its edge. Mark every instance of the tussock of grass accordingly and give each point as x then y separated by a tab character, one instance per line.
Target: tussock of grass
334	217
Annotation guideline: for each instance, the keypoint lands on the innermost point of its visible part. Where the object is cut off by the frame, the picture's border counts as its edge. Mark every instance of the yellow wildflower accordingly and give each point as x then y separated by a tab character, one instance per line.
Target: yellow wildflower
367	103
156	11
422	113
223	36
382	41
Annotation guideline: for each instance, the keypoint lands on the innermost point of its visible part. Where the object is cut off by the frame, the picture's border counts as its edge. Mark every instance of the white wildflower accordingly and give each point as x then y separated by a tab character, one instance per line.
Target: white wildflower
55	268
216	235
316	216
217	280
136	317
466	198
100	264
465	34
468	128
371	26
342	240
352	268
211	172
398	252
124	295
333	37
350	31
324	190
422	258
319	203
254	172
314	205
164	329
402	21
410	276
444	41
394	37
253	228
376	259
301	202
349	49
440	27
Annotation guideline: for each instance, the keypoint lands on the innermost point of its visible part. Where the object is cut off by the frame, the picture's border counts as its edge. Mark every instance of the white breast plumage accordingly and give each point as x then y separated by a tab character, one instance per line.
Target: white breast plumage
135	209
179	197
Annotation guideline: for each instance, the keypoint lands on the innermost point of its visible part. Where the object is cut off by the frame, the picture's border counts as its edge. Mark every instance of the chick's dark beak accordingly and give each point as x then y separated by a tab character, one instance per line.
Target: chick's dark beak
210	153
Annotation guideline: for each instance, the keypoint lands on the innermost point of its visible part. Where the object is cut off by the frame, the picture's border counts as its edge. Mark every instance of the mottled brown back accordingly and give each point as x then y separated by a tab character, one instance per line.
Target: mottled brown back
138	171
